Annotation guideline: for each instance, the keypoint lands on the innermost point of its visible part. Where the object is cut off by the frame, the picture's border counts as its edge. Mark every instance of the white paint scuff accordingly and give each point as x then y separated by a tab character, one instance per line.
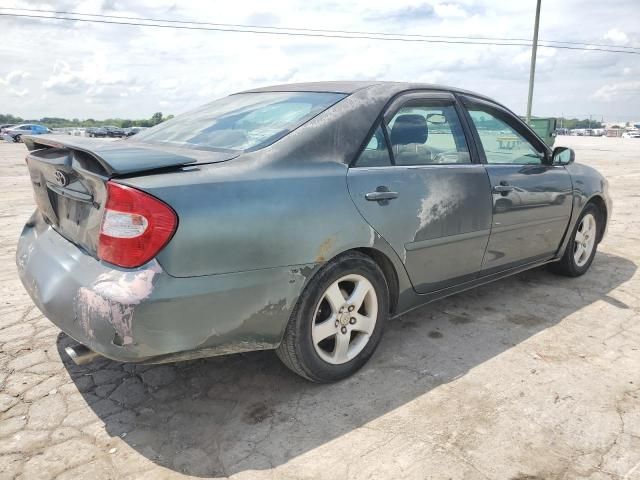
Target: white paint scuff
112	297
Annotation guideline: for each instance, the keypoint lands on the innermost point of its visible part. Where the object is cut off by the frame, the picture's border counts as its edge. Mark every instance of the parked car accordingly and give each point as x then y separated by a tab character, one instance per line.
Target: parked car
114	132
3	136
128	132
95	132
631	134
17	131
298	218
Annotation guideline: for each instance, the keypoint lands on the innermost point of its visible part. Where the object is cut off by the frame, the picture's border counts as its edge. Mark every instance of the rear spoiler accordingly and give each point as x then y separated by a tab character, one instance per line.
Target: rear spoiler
126	157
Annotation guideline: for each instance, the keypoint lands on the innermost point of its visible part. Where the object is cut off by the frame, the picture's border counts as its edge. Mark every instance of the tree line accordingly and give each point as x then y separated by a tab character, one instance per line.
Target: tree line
572	123
56	122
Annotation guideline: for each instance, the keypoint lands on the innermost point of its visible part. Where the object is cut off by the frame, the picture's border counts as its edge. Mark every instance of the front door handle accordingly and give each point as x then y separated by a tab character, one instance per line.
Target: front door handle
503	189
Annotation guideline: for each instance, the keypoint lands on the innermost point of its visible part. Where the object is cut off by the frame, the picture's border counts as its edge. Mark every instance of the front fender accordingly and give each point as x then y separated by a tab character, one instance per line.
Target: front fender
588	185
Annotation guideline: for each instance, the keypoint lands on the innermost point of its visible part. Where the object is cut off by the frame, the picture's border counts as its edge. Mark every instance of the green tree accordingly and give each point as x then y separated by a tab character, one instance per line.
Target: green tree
156	118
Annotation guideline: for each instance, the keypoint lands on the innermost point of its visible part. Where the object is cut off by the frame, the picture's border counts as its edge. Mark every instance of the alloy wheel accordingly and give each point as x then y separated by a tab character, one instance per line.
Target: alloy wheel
585	240
344	319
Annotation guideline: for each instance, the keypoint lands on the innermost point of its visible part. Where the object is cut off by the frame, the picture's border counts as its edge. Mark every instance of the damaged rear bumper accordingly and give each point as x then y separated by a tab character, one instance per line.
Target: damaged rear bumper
147	315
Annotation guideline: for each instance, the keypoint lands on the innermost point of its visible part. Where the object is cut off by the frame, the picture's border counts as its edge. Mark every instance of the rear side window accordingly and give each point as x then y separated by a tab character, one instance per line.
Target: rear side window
246	121
376	153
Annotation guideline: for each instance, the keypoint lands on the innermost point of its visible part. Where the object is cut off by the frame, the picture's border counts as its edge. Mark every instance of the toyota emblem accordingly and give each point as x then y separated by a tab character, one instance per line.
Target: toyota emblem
61	178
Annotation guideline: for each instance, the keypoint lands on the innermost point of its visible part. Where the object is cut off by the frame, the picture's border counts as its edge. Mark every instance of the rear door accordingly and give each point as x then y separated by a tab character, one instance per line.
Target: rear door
532	198
417	184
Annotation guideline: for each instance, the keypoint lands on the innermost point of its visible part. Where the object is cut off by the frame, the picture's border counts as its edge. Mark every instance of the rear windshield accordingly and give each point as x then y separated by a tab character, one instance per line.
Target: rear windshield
246	121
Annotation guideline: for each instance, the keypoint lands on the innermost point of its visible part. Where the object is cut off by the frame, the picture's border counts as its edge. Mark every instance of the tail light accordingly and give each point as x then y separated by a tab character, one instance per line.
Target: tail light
135	226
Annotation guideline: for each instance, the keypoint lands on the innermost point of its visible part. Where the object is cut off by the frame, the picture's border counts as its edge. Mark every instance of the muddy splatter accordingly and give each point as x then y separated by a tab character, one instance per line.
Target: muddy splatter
434	334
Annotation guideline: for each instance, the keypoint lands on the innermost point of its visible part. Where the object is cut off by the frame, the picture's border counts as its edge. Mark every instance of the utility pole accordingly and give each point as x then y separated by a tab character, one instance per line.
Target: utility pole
534	51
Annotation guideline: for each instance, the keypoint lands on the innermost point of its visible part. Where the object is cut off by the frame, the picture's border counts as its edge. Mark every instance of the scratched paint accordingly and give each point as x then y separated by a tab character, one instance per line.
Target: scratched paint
442	200
112	297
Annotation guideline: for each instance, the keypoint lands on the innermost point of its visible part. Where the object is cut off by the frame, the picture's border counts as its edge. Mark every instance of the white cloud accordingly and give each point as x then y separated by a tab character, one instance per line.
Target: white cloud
106	71
65	81
616	36
14	77
449	10
19	93
617	91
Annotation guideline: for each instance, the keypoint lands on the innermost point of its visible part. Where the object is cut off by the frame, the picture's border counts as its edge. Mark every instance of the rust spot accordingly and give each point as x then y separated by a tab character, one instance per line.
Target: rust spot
325	249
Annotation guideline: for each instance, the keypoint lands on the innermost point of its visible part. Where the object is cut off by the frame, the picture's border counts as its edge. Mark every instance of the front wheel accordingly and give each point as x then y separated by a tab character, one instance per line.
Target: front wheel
582	246
338	320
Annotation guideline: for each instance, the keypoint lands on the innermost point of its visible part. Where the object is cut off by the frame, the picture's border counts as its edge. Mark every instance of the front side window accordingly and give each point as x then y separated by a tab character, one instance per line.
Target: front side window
502	144
427	132
245	121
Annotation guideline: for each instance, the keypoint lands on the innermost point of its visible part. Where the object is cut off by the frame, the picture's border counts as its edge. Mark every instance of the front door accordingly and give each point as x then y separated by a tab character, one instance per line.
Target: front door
532	199
416	184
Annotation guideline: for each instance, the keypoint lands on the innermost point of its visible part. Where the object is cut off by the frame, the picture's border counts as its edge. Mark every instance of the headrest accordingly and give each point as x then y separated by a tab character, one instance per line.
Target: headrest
410	128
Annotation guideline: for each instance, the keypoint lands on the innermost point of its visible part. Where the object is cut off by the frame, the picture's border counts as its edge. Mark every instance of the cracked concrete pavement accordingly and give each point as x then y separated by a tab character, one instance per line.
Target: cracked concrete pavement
532	377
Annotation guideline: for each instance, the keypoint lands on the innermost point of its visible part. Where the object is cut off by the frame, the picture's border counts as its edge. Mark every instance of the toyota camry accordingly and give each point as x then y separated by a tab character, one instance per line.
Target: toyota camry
299	218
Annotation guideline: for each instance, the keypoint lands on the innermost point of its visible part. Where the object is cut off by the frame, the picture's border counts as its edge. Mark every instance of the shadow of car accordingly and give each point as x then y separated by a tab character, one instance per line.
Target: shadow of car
224	415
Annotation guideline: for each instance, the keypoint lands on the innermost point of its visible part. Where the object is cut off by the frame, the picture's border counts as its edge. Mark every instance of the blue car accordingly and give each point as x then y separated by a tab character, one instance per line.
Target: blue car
26	129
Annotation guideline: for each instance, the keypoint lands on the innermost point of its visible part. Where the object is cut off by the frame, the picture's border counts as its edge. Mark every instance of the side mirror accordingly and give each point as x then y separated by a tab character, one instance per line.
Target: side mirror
563	156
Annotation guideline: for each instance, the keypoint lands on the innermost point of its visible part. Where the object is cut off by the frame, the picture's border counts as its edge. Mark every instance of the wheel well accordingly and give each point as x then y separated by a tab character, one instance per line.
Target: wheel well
599	202
389	272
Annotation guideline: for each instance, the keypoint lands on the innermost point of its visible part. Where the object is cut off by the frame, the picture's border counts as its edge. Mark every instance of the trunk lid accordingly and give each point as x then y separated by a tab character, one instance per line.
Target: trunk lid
69	176
125	157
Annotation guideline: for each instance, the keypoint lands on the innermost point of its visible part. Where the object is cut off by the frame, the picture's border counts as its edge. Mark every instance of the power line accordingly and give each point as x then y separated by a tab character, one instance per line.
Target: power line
316	35
296	29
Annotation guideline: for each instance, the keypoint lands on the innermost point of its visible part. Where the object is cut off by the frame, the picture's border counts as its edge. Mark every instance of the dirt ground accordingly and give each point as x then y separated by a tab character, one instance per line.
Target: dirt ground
532	377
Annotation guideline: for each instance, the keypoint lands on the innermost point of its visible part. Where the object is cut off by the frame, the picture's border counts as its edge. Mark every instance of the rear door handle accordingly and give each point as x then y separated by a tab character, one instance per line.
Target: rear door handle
380	195
502	189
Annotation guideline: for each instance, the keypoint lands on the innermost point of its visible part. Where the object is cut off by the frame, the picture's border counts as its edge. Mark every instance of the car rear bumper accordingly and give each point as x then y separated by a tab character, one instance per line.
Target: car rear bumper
147	315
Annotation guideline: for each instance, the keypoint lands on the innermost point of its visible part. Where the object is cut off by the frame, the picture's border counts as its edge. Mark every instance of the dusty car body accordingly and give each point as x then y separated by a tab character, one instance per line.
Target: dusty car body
254	227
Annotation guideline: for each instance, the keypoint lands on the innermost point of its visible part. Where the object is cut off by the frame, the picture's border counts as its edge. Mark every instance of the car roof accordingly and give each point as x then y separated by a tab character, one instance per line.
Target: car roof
352	86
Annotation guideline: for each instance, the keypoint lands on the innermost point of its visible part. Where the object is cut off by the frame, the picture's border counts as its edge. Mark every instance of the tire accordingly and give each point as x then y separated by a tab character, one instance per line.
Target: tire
314	341
572	264
502	205
17	139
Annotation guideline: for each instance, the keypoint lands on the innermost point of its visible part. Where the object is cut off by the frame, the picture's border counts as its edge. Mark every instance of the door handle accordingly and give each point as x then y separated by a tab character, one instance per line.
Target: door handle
503	189
380	195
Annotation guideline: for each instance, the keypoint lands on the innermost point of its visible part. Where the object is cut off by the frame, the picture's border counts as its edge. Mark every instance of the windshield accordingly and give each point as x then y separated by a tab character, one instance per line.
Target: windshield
246	121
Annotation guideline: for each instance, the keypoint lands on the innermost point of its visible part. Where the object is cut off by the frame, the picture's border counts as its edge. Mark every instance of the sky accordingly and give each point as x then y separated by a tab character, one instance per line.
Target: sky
85	70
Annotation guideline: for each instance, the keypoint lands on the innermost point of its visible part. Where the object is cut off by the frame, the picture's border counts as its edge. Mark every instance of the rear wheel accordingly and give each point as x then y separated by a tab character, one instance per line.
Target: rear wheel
583	244
17	139
338	321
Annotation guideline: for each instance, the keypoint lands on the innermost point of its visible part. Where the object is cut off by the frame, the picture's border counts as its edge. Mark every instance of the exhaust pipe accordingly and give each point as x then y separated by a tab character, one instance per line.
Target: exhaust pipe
80	354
